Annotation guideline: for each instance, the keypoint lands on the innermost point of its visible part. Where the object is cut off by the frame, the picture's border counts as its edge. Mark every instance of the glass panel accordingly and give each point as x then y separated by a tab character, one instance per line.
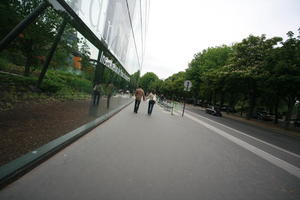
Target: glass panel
32	116
120	25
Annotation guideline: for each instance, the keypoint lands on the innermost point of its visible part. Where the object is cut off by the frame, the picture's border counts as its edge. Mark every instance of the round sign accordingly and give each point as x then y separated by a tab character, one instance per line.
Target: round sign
187	84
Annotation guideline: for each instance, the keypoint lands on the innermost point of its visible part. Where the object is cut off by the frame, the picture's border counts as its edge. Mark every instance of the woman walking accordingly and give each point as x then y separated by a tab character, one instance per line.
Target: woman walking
152	100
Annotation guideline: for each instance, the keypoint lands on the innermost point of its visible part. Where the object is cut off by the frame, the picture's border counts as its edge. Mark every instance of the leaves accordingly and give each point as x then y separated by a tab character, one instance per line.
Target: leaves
256	72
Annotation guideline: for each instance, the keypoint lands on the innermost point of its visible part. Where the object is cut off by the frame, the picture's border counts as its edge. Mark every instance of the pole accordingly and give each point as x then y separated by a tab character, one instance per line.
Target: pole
23	24
99	71
172	105
183	107
51	52
172	109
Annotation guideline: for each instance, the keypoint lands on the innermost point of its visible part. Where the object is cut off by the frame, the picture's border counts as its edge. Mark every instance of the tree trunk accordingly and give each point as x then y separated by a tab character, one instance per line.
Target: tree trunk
252	98
27	66
252	102
276	110
210	98
222	98
232	100
215	98
242	109
298	112
28	46
291	103
108	101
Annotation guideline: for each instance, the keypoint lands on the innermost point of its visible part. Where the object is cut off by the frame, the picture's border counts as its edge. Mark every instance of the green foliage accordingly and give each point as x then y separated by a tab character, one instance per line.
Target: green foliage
134	79
208	60
57	85
8	17
147	81
69	80
255	73
33	44
49	86
4	64
173	86
13	80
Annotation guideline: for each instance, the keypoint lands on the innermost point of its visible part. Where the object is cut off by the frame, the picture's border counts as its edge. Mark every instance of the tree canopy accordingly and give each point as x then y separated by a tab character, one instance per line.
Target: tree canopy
254	74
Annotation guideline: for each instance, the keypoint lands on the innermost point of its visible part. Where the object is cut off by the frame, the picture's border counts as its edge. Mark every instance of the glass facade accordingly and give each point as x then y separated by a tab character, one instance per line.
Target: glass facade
120	24
77	61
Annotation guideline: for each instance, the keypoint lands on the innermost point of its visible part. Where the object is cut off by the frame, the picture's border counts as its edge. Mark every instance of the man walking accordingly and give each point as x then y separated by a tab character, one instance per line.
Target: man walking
139	93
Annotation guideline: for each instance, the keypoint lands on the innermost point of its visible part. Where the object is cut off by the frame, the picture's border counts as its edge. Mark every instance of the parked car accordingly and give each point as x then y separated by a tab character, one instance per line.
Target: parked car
264	116
296	122
213	111
228	109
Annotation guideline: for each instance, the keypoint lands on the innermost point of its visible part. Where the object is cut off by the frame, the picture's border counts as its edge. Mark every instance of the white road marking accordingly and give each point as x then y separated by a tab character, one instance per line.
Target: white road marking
272	159
244	134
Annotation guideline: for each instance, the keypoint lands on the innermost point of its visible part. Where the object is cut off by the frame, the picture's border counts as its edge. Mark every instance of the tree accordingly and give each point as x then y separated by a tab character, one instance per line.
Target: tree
37	37
249	58
203	64
84	50
134	79
147	81
8	17
173	86
283	80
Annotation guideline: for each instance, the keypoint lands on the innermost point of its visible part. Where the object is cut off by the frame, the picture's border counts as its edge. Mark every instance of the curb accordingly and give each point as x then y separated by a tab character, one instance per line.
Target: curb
20	166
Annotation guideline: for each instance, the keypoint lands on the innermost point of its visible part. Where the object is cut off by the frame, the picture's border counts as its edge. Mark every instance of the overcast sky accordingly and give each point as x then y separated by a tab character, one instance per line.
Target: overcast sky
180	28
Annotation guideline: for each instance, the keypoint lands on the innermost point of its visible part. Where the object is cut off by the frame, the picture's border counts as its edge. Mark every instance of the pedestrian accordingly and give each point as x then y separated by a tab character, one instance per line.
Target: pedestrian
152	101
96	93
109	89
139	94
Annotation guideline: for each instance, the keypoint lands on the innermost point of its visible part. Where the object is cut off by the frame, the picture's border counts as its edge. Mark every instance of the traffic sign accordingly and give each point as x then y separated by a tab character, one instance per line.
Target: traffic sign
187	85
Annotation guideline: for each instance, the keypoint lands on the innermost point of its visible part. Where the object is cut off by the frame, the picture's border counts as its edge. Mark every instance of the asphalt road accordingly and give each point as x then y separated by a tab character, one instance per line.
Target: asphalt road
135	156
273	137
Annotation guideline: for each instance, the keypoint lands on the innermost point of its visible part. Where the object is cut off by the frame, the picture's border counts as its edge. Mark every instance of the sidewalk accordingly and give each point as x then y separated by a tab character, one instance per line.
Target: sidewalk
140	157
111	154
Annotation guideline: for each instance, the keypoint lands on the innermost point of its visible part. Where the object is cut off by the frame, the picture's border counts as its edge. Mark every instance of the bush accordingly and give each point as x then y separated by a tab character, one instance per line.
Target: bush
8	79
21	82
73	81
4	64
50	86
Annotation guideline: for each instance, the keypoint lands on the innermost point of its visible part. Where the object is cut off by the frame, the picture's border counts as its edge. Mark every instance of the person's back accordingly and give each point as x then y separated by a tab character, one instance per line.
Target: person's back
152	100
139	93
150	96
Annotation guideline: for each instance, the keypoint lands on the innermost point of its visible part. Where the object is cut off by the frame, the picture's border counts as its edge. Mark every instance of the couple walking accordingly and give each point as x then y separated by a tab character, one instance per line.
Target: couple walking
139	94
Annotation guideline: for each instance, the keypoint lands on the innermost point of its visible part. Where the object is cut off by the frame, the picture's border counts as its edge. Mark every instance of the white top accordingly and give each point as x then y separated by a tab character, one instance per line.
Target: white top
152	96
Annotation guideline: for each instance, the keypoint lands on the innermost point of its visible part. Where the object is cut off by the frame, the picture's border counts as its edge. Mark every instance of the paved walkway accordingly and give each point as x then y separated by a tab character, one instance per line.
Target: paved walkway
140	157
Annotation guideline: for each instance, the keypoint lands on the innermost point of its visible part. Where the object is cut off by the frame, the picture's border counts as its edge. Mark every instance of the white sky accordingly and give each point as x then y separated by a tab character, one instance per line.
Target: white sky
180	28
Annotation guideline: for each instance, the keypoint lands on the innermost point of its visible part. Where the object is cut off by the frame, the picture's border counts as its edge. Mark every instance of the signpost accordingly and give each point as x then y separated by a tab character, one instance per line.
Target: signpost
187	87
